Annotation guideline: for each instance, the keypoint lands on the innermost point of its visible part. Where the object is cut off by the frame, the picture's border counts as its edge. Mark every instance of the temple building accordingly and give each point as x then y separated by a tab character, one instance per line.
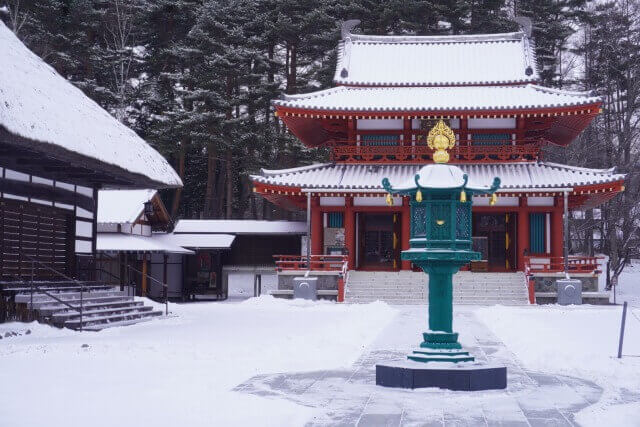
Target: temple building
389	91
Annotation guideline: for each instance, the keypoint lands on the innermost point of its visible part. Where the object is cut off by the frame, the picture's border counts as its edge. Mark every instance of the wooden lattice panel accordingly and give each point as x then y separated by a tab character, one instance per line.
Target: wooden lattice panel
37	231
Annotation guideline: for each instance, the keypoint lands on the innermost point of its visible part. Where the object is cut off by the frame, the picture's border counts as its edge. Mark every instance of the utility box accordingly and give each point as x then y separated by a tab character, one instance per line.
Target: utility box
305	288
569	291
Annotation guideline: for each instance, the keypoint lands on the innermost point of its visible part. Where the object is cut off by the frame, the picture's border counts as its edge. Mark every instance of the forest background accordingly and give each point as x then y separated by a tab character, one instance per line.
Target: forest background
195	78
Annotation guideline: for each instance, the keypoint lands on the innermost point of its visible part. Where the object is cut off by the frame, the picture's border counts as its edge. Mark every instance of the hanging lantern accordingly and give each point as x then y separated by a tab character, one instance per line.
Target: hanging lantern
389	200
418	196
494	199
463	197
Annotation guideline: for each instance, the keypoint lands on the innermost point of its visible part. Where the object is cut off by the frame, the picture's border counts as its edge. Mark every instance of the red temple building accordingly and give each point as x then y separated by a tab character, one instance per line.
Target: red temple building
389	92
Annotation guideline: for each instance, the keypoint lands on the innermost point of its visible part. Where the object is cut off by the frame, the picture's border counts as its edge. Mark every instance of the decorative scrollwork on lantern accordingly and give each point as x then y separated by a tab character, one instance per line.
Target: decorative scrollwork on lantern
440	139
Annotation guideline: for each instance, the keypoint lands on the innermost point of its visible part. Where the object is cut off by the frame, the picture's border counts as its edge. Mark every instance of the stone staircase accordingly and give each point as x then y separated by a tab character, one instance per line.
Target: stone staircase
58	303
407	287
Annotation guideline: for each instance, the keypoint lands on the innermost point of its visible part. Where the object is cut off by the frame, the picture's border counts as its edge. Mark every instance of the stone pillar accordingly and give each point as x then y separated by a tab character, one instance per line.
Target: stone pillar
350	232
317	227
523	232
557	229
406	230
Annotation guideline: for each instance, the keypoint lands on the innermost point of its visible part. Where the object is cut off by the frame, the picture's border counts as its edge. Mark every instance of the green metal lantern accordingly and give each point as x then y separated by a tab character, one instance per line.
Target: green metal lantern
440	244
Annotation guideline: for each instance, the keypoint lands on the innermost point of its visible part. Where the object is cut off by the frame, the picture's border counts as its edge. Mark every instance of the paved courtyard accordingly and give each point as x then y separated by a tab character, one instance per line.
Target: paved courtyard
350	397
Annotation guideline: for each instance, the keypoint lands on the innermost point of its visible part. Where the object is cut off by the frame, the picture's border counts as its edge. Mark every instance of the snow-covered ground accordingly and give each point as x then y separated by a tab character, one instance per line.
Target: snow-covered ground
629	284
178	371
182	370
579	341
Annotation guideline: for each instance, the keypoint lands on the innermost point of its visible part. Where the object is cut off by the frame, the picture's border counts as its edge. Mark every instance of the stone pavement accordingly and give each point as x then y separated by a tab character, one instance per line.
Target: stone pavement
350	397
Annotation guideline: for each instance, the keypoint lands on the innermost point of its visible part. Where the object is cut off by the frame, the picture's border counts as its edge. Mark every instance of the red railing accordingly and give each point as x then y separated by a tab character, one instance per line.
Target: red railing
318	263
346	152
544	264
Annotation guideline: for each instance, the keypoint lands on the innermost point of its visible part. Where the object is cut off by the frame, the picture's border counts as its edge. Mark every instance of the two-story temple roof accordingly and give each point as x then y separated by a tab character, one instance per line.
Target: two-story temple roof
391	90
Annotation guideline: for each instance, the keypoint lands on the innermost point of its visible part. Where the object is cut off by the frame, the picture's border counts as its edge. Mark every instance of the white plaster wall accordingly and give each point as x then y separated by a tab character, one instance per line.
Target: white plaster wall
375	201
502	201
540	201
331	201
379	124
504	123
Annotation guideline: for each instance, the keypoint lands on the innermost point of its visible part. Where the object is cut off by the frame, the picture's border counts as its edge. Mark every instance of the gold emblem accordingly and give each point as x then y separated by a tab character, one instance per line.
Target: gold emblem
440	139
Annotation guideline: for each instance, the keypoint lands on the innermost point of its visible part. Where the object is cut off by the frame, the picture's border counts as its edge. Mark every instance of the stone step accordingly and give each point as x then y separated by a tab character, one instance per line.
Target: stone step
88	299
106	319
61	318
100	327
41	297
48	310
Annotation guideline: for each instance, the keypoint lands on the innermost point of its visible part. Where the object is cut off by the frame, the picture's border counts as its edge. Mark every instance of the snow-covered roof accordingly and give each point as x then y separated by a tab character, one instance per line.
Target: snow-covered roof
197	241
435	60
513	176
239	226
436	176
38	104
122	206
118	242
364	99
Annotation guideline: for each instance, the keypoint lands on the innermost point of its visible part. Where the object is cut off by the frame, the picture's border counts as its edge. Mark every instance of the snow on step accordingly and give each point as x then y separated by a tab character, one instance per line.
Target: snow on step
101	320
412	288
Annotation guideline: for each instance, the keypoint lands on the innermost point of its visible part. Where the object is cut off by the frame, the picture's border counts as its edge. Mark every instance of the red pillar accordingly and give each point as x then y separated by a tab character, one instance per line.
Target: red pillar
523	232
406	230
557	232
317	228
350	232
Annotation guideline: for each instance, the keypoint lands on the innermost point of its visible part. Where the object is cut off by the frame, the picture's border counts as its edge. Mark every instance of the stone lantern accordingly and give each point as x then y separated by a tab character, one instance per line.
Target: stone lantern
441	199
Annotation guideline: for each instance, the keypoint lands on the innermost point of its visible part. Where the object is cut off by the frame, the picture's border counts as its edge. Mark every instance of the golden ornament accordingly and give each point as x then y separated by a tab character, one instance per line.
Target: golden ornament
419	196
389	200
440	139
463	196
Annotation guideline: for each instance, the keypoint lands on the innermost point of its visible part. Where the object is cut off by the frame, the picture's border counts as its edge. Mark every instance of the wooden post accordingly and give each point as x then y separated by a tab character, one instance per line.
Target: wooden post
523	232
406	230
316	227
557	235
349	232
144	274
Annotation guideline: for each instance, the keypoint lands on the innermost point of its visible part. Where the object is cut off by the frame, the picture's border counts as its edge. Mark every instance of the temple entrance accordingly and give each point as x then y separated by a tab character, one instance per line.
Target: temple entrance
496	233
378	241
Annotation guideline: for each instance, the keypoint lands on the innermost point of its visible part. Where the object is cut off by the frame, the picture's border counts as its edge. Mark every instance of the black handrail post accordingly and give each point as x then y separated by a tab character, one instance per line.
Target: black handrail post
166	299
31	311
81	303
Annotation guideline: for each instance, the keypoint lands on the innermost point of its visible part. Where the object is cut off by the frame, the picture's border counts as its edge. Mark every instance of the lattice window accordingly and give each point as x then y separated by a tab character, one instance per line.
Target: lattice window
463	217
419	221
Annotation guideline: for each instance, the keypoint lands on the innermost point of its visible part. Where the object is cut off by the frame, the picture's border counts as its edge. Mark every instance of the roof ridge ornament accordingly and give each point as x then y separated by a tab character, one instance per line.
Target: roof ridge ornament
525	23
440	139
347	26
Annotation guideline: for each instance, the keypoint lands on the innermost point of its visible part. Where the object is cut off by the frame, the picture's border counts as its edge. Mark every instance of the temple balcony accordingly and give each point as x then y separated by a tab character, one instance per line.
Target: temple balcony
346	151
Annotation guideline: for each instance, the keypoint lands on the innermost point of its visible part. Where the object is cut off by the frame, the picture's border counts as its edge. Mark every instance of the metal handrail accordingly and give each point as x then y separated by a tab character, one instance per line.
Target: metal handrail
80	284
165	287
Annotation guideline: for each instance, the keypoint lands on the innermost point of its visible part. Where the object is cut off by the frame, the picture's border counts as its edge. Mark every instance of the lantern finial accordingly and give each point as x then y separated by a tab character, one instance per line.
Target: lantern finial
440	139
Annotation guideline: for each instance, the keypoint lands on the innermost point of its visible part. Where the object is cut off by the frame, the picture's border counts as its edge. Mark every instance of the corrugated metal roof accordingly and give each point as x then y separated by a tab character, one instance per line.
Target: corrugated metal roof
435	60
239	226
364	99
369	177
117	242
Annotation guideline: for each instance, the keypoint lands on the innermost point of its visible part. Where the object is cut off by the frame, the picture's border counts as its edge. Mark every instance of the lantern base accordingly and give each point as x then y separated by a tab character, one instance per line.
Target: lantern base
461	377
